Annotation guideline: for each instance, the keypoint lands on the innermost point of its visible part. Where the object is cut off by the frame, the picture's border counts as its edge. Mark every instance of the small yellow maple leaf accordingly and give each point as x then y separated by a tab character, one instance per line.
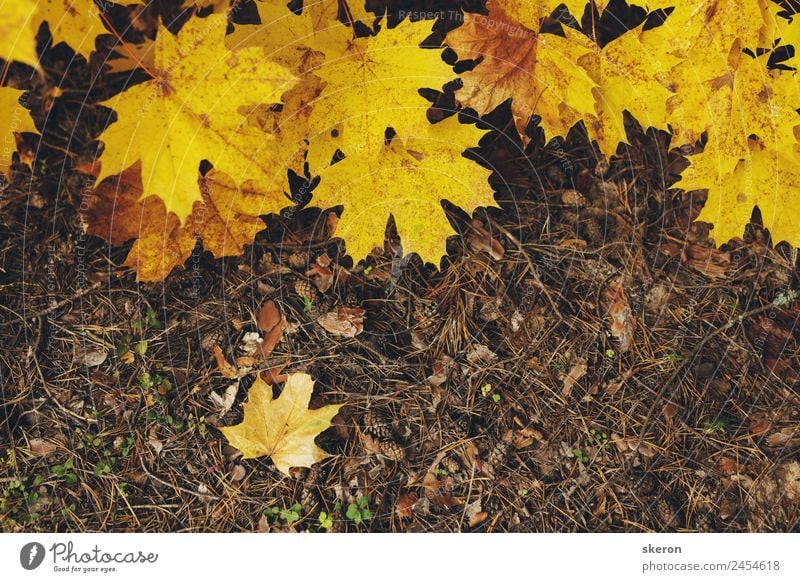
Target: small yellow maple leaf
196	109
283	429
407	179
14	118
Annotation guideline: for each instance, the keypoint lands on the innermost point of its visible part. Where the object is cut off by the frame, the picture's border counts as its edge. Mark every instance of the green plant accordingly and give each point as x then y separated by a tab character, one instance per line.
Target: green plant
150	320
597	439
292	514
325	520
675	357
307	305
488	392
359	511
716	427
65	472
102	468
581	456
288	515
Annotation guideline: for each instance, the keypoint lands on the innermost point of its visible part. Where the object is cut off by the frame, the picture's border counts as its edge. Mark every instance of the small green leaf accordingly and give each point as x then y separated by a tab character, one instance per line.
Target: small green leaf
140	347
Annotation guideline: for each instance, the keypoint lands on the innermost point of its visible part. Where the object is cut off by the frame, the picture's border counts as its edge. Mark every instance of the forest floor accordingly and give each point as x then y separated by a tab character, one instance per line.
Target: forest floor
584	360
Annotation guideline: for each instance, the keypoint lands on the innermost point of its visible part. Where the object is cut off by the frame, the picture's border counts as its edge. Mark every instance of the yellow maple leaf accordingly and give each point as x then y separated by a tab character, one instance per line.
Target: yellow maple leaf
628	77
225	219
752	136
373	86
407	180
75	22
537	71
283	429
196	109
768	180
561	79
296	41
14	118
18	26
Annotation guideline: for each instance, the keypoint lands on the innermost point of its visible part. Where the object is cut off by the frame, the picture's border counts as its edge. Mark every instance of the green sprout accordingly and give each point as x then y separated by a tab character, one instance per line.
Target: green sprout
359	511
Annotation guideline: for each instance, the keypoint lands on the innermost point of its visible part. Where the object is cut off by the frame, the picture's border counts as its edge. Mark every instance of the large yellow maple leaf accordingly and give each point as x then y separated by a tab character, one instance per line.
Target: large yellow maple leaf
708	38
561	79
14	118
196	109
767	179
753	134
406	179
300	42
284	428
374	86
538	71
225	220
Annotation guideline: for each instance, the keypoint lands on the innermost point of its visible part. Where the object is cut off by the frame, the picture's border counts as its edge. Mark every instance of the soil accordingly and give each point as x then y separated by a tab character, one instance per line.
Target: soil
585	359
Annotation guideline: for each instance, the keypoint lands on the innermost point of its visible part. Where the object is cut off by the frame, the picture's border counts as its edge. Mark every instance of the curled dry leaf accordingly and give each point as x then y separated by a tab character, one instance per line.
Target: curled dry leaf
227	399
272	323
474	513
321	272
224	367
572	377
618	309
404	509
344	322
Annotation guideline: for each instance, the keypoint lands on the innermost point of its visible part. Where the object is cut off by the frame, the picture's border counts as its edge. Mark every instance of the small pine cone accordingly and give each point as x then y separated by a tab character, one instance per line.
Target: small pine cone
298	259
393	451
499	453
304	289
351	298
451	465
376	425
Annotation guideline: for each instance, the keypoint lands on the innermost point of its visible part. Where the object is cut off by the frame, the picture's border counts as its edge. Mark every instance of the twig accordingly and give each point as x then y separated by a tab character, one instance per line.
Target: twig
54	307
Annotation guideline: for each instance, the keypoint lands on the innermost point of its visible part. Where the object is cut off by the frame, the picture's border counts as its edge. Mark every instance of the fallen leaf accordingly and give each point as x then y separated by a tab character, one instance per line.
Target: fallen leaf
272	323
572	377
89	356
404	508
344	322
623	320
227	399
284	428
758	424
223	366
41	447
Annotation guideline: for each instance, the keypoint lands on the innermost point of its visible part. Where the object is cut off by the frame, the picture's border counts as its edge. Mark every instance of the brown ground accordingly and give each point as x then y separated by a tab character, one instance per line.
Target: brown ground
504	393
